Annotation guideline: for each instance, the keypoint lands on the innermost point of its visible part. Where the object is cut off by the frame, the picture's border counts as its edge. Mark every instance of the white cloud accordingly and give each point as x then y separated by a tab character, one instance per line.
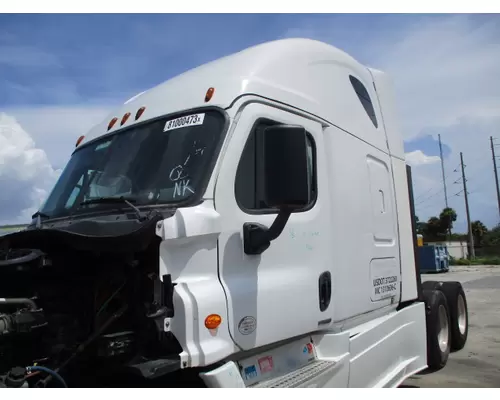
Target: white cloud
447	79
417	157
446	76
471	137
56	128
26	175
444	69
31	162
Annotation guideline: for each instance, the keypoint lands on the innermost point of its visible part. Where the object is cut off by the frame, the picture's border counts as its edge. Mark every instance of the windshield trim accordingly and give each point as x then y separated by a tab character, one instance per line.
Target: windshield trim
191	201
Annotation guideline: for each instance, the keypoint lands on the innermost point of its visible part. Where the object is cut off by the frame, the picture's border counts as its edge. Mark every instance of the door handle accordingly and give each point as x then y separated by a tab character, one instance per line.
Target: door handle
325	290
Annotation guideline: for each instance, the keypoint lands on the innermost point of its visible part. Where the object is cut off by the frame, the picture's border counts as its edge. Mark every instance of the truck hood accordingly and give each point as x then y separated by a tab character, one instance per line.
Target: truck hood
117	236
87	235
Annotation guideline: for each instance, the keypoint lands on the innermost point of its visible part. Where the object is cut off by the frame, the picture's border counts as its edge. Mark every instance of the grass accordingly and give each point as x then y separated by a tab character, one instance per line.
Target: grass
11	227
5	230
476	261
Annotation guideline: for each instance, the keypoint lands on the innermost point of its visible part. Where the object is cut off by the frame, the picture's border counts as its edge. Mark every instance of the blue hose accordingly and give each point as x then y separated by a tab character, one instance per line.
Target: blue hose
50	372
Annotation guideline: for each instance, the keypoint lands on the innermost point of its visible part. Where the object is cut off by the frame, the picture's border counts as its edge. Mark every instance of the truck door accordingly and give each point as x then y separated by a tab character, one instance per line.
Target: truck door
286	291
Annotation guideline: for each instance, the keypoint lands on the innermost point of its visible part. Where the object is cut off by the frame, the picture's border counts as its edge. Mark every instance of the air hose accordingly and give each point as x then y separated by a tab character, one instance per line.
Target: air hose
49	371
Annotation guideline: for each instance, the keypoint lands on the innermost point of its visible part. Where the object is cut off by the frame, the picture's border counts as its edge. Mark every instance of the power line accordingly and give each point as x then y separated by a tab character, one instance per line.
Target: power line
428	195
428	198
433	188
425	207
482	183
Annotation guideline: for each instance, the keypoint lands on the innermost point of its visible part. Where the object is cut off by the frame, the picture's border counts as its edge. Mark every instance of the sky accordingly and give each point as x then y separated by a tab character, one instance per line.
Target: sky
61	74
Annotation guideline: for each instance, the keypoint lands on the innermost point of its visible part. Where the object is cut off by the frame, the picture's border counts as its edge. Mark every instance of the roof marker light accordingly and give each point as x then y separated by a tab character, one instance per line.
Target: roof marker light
124	118
80	139
139	112
209	94
112	122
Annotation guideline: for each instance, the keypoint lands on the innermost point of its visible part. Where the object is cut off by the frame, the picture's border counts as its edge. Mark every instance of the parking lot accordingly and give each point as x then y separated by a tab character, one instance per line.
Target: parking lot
478	364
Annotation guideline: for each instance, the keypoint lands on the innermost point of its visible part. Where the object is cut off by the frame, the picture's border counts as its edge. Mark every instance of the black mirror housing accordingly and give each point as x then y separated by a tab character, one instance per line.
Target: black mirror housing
286	183
285	165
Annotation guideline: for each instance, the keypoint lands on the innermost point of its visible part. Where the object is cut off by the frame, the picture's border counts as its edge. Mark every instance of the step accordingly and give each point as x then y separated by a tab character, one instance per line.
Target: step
298	377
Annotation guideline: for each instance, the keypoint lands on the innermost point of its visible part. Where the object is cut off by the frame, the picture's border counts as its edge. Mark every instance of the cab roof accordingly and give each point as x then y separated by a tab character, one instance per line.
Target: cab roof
307	74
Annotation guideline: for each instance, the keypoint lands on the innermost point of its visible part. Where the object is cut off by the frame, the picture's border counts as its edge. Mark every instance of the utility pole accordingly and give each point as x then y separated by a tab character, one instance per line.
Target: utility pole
496	172
472	253
442	171
448	233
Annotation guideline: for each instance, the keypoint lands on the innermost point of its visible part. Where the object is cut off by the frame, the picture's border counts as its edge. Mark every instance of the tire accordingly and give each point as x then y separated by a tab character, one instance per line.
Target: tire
457	305
459	313
438	329
431	285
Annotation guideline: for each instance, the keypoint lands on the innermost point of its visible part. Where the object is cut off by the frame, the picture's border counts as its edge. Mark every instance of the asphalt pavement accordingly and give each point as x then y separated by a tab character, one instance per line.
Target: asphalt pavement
477	365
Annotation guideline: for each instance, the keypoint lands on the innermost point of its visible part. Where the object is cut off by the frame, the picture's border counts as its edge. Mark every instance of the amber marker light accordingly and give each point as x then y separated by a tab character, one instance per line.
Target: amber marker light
139	112
213	321
79	140
209	94
124	118
112	122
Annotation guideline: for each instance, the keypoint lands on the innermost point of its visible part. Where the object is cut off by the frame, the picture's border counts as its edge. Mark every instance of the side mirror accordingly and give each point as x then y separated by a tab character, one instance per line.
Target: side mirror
285	166
286	184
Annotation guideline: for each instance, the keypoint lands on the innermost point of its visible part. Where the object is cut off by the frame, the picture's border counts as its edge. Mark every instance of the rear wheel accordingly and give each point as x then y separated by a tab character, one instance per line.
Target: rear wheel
457	305
438	329
459	314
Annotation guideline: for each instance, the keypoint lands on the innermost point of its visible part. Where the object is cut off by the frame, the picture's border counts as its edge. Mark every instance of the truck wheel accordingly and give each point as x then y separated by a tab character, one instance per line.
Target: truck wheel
431	285
438	329
457	304
459	314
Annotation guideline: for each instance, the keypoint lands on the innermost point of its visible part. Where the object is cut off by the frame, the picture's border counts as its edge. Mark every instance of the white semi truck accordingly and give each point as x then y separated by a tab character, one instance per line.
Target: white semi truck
248	223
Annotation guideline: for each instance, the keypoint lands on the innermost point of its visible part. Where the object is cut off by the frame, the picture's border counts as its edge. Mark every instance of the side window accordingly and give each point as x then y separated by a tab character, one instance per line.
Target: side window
364	98
249	183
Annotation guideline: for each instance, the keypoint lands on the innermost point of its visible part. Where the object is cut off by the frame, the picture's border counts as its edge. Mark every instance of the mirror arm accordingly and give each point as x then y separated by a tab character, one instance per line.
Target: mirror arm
257	238
279	223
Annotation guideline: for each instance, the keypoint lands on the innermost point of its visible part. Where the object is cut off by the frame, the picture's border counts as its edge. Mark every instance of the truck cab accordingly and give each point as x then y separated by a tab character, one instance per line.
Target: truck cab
254	212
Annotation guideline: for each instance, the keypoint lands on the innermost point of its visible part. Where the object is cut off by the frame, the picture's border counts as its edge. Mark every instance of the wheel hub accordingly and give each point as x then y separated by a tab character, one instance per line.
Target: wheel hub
443	336
462	315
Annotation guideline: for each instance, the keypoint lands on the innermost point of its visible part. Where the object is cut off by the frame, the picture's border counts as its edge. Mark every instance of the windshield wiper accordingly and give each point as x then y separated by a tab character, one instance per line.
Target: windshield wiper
110	200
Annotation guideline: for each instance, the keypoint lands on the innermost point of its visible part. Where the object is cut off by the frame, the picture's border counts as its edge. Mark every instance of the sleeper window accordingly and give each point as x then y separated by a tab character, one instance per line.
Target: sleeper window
364	98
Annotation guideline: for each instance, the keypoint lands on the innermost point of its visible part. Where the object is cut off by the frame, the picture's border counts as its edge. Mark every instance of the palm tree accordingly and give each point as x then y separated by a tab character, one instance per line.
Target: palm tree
478	232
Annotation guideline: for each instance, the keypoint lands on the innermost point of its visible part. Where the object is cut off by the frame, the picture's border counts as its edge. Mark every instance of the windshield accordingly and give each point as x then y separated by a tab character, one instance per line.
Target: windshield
162	162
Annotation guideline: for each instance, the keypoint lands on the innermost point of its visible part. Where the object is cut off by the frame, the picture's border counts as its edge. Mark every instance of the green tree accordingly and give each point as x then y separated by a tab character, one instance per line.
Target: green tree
433	230
492	238
419	226
437	229
479	230
447	217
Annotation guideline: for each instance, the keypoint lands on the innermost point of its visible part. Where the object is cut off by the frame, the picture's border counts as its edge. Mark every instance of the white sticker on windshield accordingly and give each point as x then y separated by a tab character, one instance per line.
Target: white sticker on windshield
103	145
183	122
